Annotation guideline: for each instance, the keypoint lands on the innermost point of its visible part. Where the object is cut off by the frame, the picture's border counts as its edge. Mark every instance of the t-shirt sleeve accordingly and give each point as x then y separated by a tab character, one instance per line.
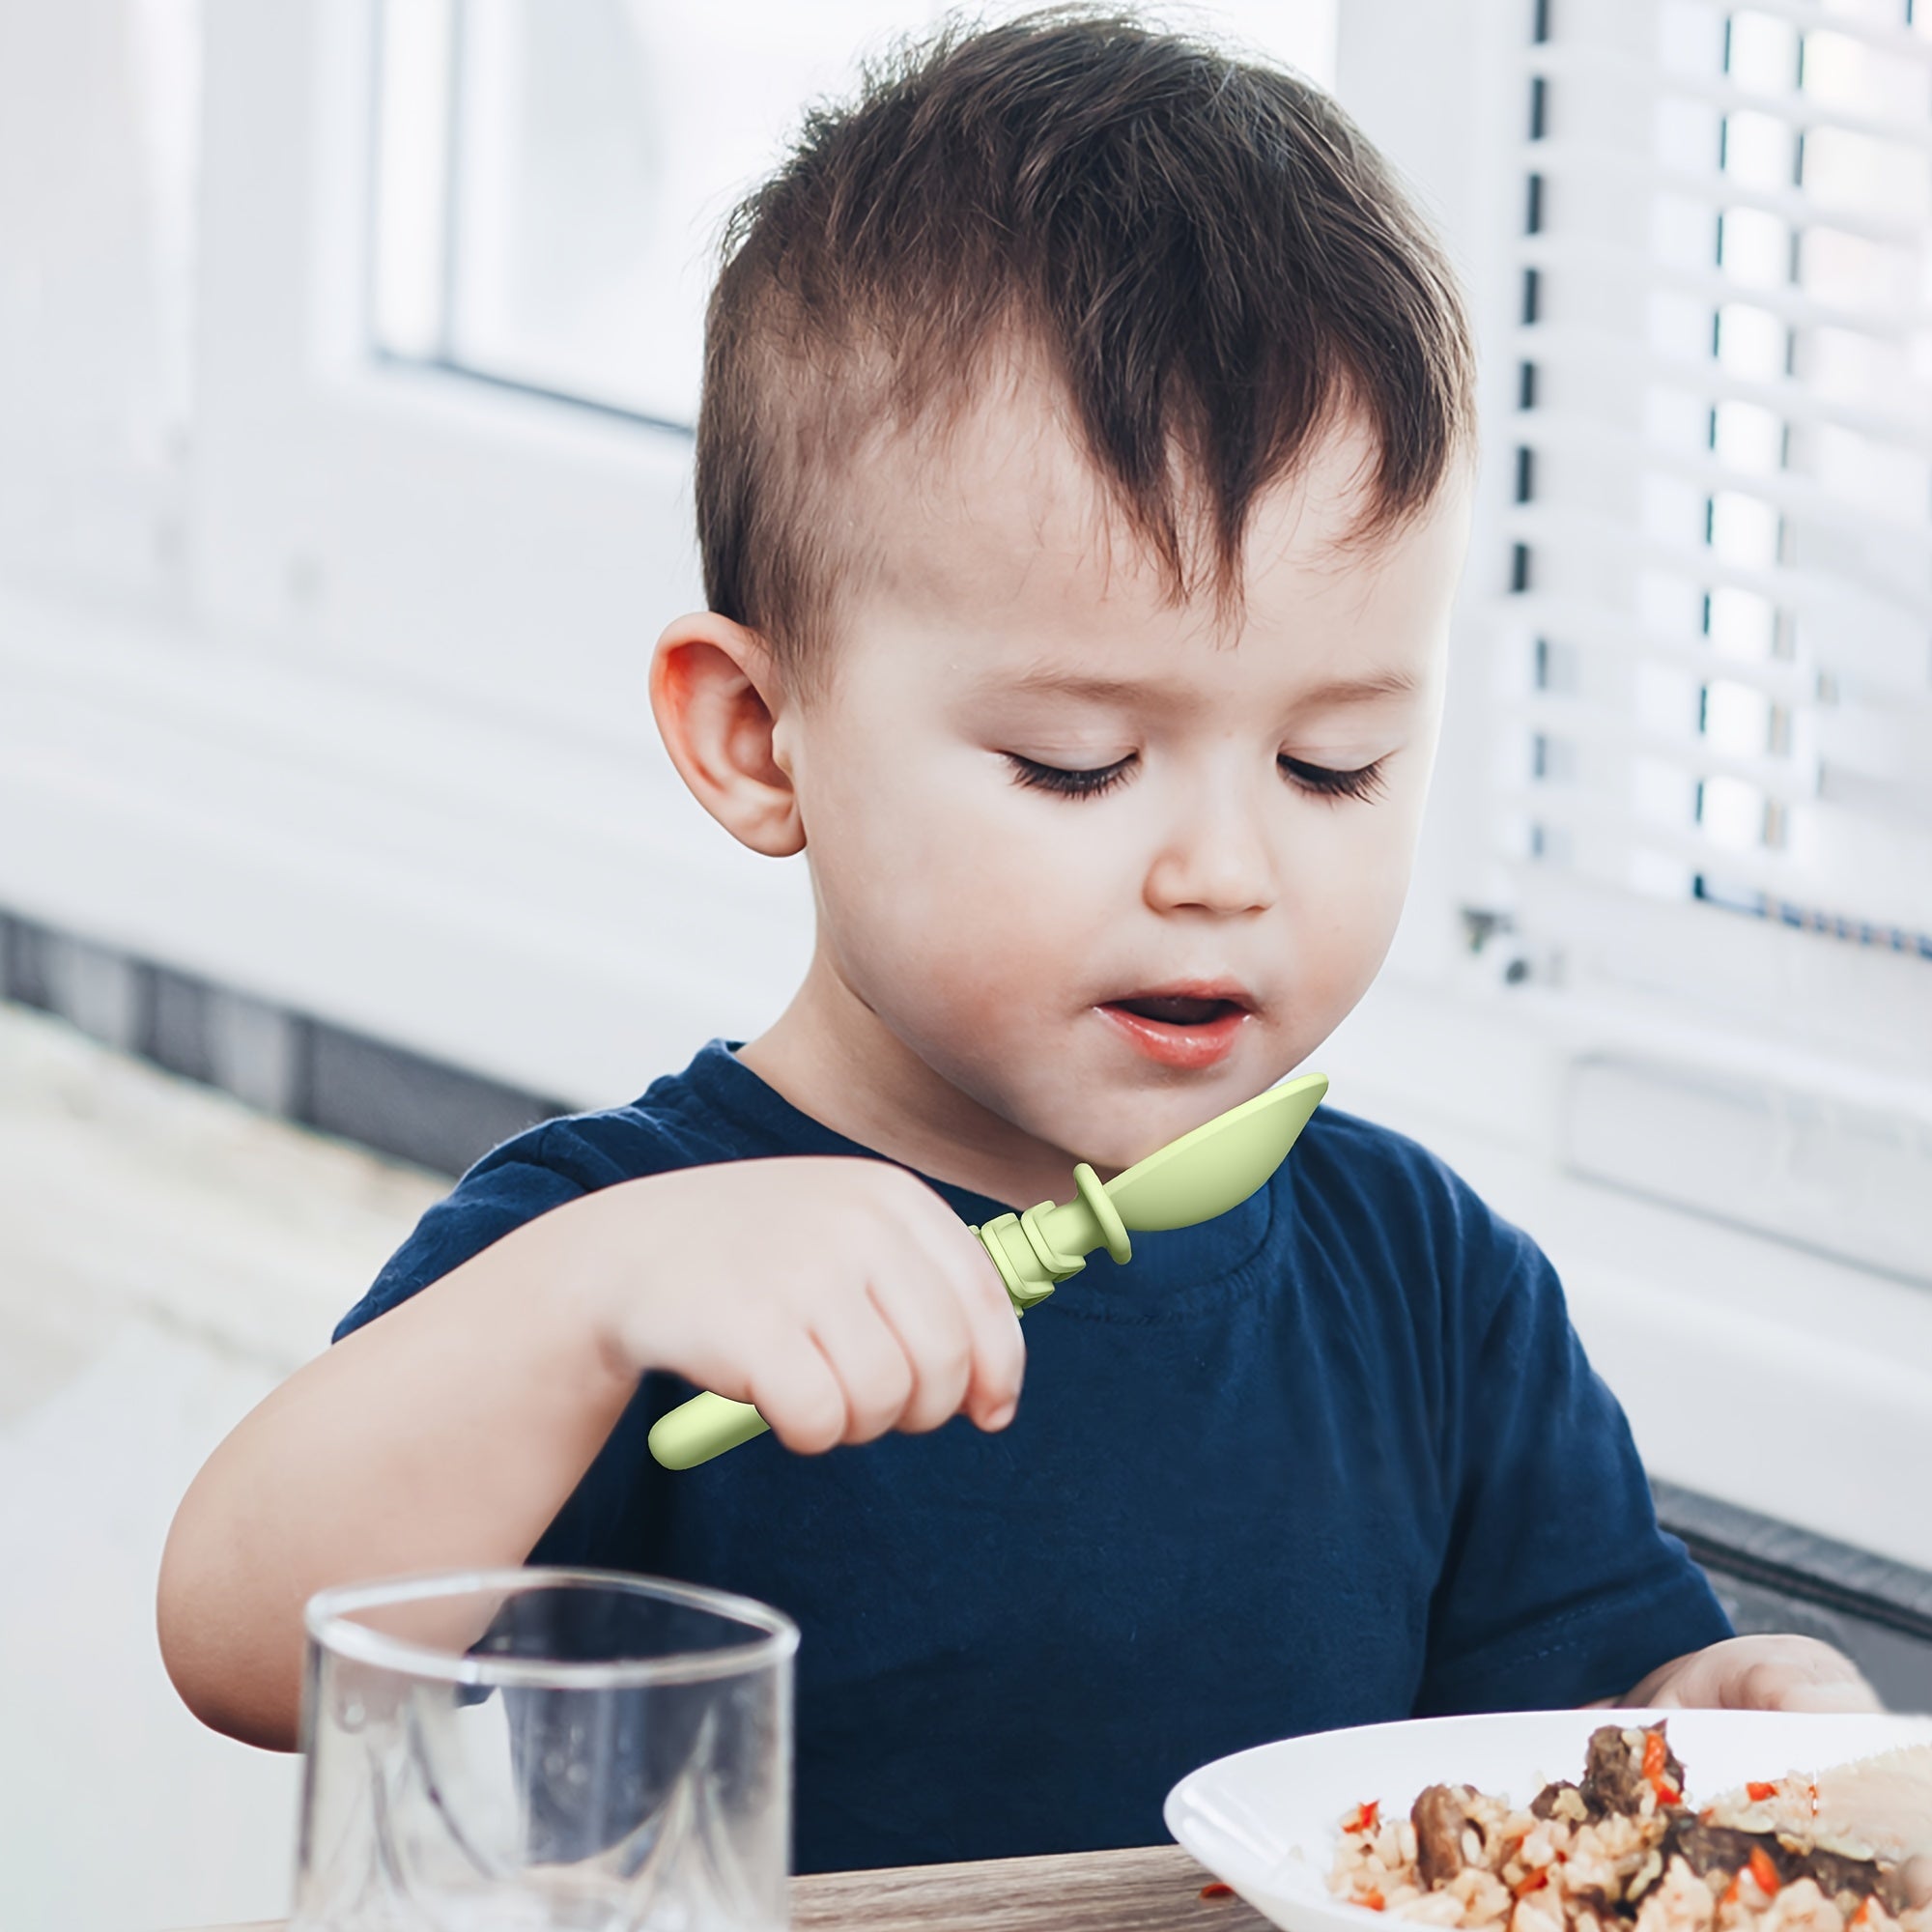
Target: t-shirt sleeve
559	1162
1558	1587
519	1180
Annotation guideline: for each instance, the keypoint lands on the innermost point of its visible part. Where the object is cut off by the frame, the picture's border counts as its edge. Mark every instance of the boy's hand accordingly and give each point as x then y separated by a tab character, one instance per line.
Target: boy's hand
840	1295
1757	1673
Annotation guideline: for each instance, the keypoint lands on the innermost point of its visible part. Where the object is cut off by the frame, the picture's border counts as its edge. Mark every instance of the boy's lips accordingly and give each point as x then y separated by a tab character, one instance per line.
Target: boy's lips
1189	1025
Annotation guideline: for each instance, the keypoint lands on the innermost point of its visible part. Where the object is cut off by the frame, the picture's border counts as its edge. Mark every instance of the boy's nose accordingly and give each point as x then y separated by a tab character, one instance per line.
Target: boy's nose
1217	856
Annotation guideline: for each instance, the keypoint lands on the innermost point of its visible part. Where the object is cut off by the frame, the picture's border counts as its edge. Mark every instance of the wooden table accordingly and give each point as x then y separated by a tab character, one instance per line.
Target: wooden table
1155	1889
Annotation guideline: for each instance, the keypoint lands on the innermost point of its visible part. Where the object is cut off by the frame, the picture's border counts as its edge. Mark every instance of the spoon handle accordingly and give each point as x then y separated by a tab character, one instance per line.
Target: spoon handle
704	1427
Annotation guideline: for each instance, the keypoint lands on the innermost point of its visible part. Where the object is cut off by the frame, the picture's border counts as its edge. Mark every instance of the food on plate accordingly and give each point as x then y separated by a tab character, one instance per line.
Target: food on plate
1624	1847
1885	1800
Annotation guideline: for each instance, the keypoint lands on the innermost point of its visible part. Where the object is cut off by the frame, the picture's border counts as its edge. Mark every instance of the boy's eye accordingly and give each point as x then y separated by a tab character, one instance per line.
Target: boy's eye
1323	780
1071	784
1363	782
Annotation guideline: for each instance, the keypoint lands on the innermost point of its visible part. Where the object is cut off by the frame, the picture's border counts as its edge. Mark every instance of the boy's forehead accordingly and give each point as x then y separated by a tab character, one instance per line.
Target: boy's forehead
992	519
977	494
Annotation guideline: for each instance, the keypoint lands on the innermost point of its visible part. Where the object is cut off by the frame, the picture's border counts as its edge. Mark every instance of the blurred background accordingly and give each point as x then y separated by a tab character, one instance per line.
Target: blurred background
349	351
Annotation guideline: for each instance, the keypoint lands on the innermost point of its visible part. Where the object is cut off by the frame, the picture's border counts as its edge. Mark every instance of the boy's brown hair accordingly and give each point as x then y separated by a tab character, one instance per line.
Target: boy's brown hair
1211	258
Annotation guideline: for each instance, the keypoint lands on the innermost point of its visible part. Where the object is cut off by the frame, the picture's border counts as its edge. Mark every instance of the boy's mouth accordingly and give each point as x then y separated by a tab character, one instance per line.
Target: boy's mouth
1191	1005
1176	1011
1187	1029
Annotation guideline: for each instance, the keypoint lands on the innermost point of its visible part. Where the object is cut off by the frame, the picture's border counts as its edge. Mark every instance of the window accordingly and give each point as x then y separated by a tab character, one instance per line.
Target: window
549	178
1719	613
550	181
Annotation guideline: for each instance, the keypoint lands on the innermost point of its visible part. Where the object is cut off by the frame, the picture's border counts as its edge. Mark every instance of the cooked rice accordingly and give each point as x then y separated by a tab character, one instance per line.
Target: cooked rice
1573	1872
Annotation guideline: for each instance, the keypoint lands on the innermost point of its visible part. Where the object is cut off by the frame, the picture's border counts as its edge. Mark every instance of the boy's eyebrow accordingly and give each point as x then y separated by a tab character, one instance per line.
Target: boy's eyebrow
1390	683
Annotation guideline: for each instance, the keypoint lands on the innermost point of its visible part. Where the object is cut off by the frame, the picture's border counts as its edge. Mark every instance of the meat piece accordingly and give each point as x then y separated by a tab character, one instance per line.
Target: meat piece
1613	1778
1548	1801
1726	1849
1439	1816
1612	1773
1863	1878
1722	1848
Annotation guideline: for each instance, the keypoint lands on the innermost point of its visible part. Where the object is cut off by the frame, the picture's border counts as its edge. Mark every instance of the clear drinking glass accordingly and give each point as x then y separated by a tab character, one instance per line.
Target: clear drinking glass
545	1749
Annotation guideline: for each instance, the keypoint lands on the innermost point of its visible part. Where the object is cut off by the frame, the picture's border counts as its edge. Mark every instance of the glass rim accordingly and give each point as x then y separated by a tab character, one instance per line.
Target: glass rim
328	1618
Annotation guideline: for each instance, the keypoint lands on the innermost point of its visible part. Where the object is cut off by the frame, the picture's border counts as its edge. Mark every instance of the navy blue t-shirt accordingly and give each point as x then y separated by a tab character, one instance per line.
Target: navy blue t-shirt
1331	1458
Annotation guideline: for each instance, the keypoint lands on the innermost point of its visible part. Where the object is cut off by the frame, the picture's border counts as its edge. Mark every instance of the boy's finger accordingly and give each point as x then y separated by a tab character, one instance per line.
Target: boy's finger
999	1350
933	1329
1798	1685
798	1391
869	1361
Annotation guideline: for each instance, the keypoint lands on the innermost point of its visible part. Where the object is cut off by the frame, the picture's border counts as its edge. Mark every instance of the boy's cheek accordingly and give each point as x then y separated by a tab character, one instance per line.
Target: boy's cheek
1337	941
1354	891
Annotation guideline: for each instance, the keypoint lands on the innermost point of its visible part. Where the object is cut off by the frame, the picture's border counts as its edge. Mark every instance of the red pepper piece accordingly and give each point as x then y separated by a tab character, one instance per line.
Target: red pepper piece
1217	1890
1372	1899
1758	1793
1656	1756
1763	1870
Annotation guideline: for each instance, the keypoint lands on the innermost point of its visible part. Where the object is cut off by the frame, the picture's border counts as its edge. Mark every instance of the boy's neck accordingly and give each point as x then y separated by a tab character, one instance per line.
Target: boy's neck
831	1057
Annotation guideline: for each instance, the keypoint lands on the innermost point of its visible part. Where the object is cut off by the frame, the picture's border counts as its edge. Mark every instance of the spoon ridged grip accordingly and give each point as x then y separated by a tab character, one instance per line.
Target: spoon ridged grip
1038	1250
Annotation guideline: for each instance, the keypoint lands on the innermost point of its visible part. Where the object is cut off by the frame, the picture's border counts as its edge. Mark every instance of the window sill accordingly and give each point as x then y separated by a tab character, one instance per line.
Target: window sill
538	905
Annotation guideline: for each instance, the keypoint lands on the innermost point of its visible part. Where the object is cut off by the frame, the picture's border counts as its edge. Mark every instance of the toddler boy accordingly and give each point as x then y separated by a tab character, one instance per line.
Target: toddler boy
1082	482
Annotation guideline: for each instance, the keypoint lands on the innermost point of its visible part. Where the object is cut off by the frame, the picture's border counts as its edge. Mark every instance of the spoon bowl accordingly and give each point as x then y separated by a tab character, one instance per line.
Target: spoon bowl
1217	1165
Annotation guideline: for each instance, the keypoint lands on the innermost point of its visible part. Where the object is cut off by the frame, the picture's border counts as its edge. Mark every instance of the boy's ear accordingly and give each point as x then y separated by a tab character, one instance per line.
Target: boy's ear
716	695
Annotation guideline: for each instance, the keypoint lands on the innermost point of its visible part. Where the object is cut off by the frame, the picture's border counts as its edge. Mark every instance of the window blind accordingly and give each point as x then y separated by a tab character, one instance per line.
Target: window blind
1716	642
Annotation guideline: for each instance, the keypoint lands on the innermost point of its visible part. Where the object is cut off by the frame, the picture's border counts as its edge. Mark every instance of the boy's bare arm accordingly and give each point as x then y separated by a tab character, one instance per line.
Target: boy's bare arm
841	1296
445	1433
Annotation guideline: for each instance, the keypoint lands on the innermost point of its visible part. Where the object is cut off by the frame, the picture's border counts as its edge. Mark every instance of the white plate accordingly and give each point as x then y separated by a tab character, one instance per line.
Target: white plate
1265	1821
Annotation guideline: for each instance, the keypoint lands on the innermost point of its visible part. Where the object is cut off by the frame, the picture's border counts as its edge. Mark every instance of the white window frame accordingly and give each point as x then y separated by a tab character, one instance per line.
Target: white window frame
306	437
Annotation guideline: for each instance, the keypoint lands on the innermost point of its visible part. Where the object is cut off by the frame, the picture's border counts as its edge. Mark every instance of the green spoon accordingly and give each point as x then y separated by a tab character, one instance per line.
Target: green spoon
1207	1171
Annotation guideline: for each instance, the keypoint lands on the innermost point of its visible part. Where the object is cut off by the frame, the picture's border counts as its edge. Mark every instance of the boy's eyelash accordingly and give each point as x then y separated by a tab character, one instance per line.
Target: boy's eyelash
1323	780
1364	783
1069	785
